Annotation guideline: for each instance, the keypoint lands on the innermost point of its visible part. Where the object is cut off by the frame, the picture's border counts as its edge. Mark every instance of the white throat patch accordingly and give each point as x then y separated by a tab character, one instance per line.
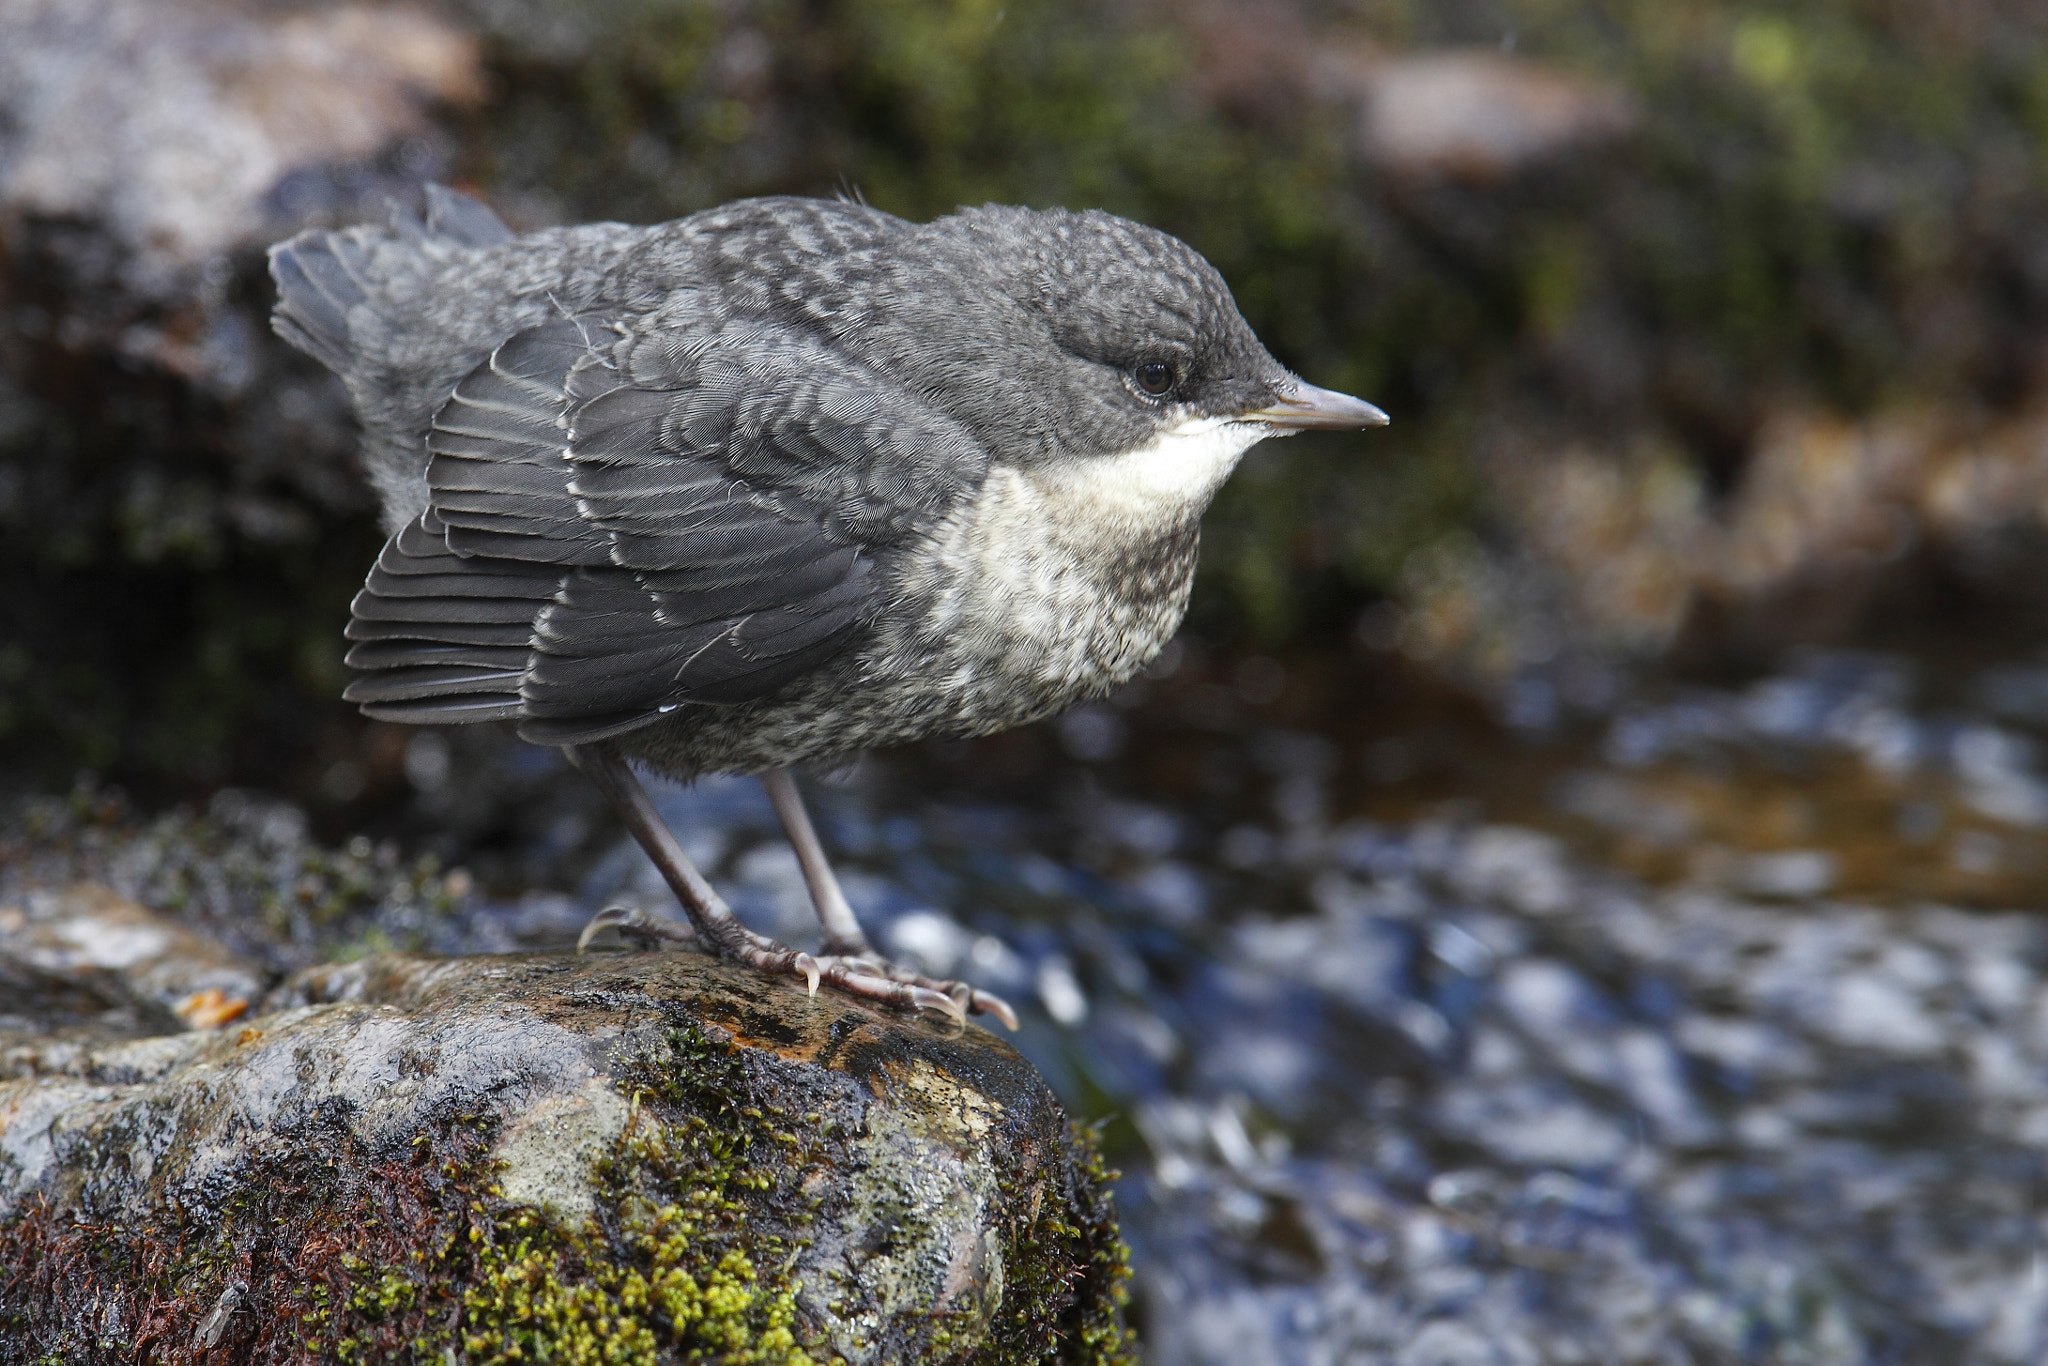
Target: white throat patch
1062	580
1159	482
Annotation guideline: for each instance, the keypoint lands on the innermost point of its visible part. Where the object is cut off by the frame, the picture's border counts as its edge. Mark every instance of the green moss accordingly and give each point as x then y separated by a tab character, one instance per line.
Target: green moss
367	1260
1068	1274
675	1266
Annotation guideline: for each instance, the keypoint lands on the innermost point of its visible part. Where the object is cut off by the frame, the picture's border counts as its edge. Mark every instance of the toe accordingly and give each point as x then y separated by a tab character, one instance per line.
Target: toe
988	1003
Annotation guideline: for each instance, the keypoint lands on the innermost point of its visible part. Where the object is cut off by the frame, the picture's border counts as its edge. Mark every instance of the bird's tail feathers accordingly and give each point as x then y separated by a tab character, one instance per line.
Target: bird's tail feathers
321	275
458	218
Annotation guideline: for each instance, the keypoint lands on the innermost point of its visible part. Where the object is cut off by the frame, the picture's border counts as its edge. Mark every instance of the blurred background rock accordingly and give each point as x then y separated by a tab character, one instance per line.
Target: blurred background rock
1556	902
1707	326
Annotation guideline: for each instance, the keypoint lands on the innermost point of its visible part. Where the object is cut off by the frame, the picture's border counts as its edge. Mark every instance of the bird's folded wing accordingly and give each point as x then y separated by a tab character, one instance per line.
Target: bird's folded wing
621	524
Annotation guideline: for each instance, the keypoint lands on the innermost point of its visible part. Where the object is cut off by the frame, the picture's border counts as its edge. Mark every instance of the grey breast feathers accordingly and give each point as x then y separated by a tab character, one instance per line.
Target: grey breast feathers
622	523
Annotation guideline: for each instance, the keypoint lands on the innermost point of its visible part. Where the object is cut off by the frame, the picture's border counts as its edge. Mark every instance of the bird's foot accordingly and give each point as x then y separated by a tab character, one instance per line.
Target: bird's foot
865	974
639	929
865	963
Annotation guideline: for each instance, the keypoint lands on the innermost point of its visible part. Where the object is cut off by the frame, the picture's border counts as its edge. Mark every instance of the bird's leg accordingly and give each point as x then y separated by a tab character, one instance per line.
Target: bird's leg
843	943
717	927
842	932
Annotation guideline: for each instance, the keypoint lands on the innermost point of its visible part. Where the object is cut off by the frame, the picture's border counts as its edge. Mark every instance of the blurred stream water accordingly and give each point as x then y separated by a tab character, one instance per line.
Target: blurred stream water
1611	1025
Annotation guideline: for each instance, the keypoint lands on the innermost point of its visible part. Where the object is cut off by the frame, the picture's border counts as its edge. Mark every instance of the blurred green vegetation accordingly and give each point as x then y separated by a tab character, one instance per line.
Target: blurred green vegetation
1831	202
1836	200
170	600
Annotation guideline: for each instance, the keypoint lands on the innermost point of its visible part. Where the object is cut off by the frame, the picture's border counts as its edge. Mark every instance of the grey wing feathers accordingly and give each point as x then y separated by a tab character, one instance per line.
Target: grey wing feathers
499	454
591	560
440	638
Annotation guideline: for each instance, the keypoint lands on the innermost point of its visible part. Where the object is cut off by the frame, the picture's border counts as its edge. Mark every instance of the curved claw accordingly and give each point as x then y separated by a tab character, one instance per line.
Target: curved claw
634	924
988	1003
874	987
924	998
610	918
808	966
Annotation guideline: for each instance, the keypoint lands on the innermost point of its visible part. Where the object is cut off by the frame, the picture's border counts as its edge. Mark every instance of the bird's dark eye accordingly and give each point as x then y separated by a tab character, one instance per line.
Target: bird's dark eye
1155	377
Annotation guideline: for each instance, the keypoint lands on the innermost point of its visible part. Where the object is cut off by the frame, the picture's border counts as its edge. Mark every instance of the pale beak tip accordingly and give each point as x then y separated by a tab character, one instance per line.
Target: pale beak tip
1304	407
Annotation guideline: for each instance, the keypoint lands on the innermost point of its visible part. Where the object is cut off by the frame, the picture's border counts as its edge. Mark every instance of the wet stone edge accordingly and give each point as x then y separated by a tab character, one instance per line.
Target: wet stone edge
321	1246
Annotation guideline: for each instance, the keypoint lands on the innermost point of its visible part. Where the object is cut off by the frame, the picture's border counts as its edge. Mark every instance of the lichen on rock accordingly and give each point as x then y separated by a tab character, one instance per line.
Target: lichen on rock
620	1160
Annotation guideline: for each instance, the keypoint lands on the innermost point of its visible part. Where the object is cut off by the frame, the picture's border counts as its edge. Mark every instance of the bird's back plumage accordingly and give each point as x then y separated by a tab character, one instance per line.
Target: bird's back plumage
403	311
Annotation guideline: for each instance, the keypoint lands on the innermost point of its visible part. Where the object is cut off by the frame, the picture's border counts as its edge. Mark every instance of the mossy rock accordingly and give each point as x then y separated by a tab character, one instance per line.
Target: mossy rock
616	1159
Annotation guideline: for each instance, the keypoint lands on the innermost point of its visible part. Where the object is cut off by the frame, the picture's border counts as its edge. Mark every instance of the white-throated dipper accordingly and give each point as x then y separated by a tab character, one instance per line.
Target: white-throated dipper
776	483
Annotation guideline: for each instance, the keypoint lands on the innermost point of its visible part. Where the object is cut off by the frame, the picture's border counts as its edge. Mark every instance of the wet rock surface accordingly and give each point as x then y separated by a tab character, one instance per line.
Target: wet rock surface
620	1158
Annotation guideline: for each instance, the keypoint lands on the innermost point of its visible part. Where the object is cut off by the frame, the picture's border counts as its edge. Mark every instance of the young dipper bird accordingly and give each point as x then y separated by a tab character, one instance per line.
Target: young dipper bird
776	483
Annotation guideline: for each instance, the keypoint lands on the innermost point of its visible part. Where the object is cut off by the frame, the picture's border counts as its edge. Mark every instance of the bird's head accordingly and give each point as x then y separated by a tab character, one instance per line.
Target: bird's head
1087	348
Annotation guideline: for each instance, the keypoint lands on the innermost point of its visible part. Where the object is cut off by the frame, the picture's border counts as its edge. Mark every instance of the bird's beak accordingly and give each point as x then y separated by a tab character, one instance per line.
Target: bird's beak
1302	407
